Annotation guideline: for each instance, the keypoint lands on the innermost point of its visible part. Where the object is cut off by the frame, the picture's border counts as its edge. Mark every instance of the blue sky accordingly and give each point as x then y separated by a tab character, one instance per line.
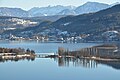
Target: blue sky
27	4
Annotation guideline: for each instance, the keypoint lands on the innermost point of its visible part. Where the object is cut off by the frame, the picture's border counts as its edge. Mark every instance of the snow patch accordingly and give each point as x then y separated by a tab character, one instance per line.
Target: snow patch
45	15
65	24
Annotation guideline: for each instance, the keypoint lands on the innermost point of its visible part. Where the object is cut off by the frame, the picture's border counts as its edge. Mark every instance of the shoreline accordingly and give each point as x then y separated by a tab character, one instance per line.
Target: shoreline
12	56
102	59
92	58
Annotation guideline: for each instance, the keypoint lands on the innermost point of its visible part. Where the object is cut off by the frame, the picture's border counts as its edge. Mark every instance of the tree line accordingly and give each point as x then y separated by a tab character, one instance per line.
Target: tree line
17	50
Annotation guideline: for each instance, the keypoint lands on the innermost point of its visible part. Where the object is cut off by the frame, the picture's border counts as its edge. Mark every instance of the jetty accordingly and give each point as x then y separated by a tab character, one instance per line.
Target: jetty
45	55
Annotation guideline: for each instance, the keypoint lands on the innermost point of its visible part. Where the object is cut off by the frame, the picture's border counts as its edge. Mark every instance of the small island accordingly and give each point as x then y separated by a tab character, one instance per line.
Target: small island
15	54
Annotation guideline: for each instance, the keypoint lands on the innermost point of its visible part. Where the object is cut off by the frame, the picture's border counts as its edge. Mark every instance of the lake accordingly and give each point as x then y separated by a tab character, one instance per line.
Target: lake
56	69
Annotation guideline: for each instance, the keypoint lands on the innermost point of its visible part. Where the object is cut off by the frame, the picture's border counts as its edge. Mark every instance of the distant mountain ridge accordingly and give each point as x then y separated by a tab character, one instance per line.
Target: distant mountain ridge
15	12
91	7
88	7
92	24
49	11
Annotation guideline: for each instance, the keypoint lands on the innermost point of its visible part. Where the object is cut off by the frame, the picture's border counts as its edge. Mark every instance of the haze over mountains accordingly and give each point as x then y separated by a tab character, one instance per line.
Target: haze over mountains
88	7
91	23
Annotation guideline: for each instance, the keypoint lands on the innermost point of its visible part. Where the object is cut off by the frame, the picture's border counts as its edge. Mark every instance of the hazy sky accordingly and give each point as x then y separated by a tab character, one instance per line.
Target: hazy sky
27	4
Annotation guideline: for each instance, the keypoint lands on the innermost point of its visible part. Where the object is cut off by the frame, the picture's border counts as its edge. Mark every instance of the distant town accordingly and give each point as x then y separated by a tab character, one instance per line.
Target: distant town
93	26
54	35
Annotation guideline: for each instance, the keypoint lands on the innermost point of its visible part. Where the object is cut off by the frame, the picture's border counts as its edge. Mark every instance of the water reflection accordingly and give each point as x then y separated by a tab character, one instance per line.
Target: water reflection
16	59
86	63
115	65
75	62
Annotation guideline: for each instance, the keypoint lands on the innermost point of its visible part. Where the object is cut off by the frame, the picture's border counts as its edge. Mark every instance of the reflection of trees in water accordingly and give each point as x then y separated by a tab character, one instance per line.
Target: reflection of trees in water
87	63
16	59
115	65
76	62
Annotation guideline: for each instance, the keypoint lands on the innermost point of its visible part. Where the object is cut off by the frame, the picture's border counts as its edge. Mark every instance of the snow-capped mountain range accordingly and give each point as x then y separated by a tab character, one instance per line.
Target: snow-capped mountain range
88	7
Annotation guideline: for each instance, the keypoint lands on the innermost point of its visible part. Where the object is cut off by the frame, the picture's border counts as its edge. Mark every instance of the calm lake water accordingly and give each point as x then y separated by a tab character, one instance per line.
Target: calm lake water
56	69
